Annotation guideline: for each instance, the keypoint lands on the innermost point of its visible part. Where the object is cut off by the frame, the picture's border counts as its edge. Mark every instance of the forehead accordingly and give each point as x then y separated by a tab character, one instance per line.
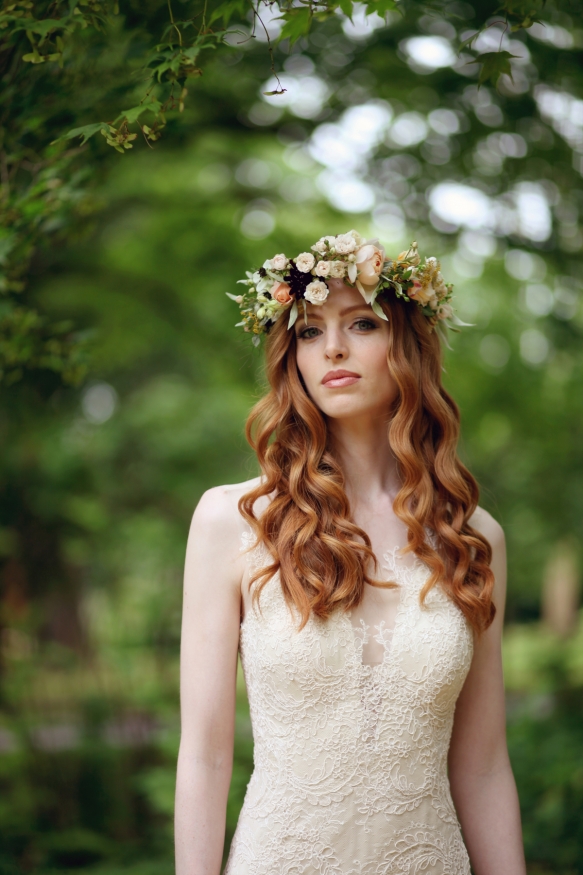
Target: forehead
340	298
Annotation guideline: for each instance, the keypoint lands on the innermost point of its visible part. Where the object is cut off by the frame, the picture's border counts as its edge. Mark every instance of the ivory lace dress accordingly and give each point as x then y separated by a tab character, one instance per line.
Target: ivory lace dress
350	758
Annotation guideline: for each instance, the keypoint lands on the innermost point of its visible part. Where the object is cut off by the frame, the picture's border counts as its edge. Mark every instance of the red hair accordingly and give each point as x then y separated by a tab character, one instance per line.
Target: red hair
320	553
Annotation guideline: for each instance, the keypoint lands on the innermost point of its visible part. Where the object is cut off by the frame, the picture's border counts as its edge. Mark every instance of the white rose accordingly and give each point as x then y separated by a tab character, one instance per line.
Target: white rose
305	261
316	292
320	246
345	243
445	311
323	268
279	262
337	269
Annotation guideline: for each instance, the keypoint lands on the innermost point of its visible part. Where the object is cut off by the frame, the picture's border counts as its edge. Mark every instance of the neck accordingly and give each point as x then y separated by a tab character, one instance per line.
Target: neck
362	449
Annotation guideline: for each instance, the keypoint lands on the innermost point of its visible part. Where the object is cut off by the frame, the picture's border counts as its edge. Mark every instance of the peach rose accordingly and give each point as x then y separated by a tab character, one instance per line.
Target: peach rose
280	292
423	293
370	260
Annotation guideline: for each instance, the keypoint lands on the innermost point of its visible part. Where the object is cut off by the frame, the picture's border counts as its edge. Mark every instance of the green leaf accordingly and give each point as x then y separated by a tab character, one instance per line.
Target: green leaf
225	11
347	7
33	57
297	24
133	114
493	65
293	314
85	131
381	7
376	307
44	27
467	43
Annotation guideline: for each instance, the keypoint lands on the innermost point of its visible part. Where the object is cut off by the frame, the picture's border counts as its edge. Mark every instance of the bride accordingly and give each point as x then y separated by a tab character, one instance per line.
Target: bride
363	588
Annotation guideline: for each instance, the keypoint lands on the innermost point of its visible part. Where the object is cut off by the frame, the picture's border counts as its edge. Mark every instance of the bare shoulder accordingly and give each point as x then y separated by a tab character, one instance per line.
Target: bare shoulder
218	509
494	534
490	528
214	542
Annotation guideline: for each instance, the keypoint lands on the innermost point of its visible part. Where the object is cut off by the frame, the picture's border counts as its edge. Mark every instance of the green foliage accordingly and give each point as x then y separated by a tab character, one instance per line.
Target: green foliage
48	44
546	742
29	341
298	22
522	13
493	65
76	808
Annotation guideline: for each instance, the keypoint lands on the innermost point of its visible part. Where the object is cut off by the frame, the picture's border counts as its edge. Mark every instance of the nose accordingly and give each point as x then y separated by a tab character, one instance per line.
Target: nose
336	349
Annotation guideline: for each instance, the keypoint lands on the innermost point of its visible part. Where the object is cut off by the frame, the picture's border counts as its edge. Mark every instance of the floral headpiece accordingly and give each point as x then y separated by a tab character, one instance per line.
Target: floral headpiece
282	282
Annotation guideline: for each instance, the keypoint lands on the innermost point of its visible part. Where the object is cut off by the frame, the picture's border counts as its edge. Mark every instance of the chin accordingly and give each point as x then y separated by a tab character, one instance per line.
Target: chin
345	409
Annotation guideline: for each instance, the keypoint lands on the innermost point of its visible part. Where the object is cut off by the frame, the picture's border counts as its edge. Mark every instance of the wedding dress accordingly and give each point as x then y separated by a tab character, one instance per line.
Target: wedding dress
350	758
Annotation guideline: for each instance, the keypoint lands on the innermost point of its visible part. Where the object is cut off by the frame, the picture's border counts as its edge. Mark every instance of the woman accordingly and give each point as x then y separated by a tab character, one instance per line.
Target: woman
367	604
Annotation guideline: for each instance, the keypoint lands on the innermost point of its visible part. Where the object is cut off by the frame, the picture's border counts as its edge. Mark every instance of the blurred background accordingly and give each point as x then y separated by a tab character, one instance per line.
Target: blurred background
125	385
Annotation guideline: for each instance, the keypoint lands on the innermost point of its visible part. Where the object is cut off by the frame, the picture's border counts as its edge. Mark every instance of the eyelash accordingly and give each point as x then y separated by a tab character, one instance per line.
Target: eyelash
303	335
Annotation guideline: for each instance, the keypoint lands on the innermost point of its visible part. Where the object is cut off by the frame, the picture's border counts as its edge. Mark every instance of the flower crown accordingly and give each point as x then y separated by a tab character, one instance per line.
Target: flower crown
283	282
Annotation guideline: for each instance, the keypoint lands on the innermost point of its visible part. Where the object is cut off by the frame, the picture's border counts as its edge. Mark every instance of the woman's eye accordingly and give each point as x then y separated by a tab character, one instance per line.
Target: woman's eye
365	324
308	333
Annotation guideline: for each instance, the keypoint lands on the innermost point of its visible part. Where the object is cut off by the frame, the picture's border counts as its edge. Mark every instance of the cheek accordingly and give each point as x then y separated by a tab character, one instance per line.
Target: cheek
385	384
306	364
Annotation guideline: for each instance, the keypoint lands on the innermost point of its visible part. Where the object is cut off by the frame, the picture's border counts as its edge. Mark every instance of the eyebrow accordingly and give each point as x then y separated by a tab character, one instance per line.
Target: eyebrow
363	306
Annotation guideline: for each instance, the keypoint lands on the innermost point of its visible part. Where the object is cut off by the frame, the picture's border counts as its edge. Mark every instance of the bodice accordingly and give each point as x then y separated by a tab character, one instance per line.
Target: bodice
350	759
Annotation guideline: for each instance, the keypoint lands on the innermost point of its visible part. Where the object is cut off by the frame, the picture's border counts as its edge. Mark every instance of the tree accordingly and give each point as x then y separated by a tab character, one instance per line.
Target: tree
69	68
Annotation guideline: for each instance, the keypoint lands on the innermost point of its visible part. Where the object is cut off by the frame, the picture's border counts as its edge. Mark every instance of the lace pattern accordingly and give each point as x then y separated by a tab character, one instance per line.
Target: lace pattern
350	759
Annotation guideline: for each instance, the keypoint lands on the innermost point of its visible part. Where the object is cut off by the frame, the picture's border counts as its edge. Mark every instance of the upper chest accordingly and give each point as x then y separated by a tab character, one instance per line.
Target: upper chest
391	638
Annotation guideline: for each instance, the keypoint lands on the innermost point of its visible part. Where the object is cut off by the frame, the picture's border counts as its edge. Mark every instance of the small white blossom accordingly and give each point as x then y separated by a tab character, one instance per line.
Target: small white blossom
345	243
337	269
322	268
279	262
316	292
305	262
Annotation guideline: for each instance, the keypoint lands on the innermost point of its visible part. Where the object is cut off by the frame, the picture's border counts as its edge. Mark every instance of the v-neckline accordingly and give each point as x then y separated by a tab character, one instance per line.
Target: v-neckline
403	577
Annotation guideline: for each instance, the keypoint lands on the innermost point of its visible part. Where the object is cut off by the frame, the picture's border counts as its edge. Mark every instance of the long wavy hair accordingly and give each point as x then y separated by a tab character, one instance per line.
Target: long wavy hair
321	555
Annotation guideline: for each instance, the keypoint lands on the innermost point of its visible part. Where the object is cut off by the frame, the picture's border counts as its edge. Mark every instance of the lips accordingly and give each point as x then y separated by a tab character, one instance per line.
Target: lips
340	378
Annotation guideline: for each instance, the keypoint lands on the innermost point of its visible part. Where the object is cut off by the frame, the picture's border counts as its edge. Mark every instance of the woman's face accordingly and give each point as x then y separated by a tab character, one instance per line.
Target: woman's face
342	356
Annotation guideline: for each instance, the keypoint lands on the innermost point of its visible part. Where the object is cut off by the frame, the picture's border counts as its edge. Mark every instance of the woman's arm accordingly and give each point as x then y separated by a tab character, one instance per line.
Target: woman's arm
482	783
208	668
